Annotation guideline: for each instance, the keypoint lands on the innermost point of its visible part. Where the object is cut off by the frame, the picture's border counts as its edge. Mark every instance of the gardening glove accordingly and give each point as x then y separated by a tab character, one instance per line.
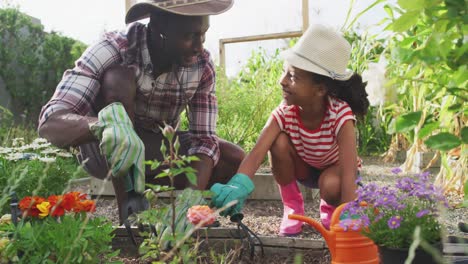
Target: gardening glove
238	188
124	150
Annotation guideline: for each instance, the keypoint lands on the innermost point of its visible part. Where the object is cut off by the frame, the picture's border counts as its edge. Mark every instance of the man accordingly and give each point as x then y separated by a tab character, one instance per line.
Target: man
128	85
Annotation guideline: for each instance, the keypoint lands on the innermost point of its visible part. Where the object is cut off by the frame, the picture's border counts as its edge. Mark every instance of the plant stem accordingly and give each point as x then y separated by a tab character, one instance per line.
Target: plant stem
171	177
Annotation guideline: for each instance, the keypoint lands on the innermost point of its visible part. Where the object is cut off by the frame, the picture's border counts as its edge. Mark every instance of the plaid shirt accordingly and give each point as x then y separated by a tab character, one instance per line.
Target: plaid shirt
158	99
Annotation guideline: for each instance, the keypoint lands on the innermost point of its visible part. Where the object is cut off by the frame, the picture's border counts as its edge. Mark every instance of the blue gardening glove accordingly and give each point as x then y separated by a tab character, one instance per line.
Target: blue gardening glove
124	150
238	188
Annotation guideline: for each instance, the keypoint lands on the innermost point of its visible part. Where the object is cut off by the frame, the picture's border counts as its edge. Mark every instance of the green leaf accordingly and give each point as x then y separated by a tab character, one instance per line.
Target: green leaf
411	5
457	92
455	107
154	187
153	163
177	171
193	158
465	202
388	9
407	122
443	141
464	135
192	178
406	21
162	175
459	77
431	3
407	42
207	193
391	127
427	129
465	191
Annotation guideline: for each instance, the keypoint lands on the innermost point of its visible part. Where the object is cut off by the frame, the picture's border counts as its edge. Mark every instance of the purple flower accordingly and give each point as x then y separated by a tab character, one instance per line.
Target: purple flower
354	224
405	184
422	213
396	170
394	222
424	176
388	200
365	221
345	223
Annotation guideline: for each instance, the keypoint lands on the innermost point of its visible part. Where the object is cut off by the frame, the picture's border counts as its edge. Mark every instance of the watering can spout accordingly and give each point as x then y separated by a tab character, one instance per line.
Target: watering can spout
327	235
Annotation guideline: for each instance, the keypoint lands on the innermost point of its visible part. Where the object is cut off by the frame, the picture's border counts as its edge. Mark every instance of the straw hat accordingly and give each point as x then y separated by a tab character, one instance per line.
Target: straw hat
181	7
323	51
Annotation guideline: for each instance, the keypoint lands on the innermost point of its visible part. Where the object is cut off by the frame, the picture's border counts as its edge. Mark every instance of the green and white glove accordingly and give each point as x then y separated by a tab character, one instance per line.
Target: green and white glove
124	150
238	188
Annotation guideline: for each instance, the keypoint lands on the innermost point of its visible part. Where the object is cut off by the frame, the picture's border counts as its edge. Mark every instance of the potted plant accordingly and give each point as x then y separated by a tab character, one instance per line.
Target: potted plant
402	220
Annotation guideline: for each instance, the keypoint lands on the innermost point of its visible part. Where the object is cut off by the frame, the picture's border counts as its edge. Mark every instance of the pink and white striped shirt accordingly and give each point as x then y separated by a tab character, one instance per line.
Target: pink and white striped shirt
317	147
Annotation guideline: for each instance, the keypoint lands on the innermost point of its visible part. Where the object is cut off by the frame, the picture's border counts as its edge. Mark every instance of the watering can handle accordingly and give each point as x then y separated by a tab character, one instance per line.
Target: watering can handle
336	214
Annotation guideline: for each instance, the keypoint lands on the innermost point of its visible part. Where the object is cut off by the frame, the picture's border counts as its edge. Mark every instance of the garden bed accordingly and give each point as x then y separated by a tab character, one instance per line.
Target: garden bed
264	216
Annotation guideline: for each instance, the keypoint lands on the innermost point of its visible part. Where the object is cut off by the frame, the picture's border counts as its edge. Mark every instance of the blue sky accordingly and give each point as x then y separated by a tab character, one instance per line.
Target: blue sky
86	20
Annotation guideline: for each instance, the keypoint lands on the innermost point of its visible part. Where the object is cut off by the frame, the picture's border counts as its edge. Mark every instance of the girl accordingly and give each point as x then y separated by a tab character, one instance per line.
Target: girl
310	136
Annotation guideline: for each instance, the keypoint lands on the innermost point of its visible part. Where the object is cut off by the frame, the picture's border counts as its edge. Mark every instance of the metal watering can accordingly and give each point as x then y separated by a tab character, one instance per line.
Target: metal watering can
349	247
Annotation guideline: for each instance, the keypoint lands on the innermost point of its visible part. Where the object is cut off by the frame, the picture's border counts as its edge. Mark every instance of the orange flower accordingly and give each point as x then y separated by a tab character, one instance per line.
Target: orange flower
199	213
28	205
69	200
78	195
56	205
85	206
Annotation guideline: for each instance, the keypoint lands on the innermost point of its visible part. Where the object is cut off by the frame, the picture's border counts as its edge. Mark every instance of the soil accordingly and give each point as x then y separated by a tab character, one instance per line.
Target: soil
264	217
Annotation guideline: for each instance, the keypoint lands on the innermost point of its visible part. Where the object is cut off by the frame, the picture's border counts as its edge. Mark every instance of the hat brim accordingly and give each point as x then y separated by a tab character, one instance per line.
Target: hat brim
201	8
303	64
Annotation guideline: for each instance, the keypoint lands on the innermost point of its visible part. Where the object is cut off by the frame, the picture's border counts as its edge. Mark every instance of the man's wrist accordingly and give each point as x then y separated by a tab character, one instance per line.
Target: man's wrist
96	128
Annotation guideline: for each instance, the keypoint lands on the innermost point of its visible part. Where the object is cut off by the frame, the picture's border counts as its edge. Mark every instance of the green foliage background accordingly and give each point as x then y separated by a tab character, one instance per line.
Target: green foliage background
246	101
31	61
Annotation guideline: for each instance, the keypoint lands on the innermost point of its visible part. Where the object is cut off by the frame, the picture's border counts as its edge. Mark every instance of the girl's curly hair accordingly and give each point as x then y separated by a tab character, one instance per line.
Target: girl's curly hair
351	91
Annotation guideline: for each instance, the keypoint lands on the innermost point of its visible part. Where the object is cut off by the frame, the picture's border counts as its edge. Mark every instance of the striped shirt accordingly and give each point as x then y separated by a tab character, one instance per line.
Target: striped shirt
317	147
159	99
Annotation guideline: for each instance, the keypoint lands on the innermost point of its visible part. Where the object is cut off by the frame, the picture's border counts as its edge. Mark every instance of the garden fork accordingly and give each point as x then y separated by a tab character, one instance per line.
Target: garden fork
134	204
251	236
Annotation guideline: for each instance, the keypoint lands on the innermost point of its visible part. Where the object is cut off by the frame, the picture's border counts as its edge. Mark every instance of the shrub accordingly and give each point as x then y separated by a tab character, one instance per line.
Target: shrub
32	61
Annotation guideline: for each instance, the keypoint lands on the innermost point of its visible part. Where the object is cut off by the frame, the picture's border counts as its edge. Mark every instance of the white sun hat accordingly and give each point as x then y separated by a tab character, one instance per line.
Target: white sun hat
321	50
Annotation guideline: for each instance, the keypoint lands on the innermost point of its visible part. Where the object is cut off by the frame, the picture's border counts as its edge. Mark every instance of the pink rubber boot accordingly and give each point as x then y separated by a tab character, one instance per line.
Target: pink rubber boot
326	212
293	203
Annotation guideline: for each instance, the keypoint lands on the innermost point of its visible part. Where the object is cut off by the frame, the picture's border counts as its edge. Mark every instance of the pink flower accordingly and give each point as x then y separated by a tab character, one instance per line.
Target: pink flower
199	213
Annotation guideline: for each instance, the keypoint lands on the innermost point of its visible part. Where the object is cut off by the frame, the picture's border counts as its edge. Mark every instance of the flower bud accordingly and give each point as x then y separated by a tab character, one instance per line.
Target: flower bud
168	131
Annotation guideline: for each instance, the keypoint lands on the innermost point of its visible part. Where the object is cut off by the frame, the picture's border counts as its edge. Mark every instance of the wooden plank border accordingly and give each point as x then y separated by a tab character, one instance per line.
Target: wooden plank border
225	239
222	238
265	189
